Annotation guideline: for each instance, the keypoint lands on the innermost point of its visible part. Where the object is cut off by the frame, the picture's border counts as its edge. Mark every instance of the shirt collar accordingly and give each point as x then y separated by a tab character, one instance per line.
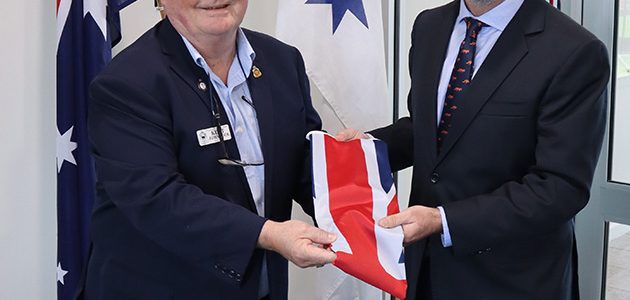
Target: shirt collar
244	51
498	18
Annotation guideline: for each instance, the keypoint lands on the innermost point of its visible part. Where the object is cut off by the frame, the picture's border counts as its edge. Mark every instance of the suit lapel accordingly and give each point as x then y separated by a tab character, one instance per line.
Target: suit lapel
427	72
508	51
263	102
182	63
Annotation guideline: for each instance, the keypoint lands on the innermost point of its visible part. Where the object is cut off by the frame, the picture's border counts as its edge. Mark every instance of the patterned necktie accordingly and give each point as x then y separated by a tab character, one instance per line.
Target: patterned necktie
460	78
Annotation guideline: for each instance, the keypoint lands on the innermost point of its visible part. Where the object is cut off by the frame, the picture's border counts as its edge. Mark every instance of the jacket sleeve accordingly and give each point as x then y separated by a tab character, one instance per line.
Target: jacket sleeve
570	126
137	170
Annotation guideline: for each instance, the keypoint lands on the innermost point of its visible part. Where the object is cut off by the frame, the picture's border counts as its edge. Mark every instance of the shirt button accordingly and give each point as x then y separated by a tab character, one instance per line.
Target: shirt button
435	178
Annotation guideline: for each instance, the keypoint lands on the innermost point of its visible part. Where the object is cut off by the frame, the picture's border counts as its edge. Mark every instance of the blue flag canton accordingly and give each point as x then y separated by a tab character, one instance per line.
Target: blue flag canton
340	7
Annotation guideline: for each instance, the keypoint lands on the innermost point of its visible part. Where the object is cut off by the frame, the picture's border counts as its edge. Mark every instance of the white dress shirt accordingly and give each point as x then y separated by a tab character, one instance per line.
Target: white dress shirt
496	20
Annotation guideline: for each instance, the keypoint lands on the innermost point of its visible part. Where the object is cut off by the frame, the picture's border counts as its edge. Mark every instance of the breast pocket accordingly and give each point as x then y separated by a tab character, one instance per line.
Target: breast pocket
516	109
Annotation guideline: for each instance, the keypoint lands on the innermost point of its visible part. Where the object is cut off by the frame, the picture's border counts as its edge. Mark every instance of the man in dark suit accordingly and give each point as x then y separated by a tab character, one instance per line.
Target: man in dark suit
198	134
507	119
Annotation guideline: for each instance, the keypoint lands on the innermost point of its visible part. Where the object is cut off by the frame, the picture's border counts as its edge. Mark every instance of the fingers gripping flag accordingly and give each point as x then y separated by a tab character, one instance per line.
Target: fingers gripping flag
353	188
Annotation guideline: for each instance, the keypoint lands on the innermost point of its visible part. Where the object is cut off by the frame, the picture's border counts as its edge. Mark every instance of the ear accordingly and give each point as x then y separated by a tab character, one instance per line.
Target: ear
160	7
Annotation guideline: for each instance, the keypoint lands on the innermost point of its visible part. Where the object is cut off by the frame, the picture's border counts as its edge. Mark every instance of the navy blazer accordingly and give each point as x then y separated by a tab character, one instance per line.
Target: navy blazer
169	221
518	161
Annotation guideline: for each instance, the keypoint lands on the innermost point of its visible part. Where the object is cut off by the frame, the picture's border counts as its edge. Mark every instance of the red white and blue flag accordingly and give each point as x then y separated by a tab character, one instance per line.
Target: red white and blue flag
84	39
353	188
555	3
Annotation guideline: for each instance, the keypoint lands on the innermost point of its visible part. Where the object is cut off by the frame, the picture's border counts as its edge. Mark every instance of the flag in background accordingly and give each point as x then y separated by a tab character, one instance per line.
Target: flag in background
84	41
353	188
555	3
343	45
113	19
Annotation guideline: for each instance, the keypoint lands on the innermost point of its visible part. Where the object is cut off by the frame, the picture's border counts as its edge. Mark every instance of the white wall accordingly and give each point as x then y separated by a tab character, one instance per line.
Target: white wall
27	155
135	19
620	168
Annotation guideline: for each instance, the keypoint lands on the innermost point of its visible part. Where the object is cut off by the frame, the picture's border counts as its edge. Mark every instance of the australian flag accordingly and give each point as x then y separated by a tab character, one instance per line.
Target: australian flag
353	188
85	36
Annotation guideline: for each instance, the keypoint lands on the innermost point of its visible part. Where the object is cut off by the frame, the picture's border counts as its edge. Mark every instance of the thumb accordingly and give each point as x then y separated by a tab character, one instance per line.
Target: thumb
320	256
392	221
347	135
319	236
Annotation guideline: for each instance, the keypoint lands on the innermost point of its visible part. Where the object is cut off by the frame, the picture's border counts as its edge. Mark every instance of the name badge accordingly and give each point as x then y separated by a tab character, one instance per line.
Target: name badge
210	135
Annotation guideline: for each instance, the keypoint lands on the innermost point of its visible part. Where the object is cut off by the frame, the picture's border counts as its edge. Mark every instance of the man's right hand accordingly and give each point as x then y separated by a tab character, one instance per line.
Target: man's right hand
298	242
350	134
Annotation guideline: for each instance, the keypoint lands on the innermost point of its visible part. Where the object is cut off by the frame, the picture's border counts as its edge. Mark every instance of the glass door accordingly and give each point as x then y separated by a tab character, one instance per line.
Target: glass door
603	227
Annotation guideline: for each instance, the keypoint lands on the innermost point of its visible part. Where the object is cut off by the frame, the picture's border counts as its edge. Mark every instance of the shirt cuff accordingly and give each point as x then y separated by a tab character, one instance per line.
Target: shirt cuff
446	234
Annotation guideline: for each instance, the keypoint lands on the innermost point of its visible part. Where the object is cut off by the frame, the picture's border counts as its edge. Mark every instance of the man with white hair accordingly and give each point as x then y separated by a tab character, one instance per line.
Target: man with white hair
198	134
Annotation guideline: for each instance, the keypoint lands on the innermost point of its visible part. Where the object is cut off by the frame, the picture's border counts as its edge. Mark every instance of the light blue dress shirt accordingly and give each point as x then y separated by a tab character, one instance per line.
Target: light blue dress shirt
496	20
239	107
241	113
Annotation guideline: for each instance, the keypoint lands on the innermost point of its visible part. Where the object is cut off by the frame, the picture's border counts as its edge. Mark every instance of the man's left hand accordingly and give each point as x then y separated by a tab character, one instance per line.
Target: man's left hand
417	222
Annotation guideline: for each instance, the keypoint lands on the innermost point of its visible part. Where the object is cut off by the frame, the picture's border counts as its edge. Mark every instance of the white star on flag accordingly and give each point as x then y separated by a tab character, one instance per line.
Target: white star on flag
60	273
64	148
98	10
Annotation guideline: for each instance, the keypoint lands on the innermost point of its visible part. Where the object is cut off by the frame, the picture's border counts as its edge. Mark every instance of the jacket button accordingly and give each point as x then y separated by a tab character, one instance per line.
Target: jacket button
435	178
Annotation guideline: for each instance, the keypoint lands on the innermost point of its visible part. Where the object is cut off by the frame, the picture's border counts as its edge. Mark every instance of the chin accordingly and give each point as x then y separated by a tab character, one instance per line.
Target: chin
220	28
221	32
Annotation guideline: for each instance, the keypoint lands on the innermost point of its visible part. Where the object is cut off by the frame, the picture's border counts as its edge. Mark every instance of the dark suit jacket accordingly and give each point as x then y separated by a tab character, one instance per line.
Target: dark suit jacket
170	222
518	162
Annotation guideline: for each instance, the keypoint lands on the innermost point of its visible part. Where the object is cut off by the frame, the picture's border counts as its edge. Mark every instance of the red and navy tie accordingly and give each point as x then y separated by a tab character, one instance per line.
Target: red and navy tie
460	78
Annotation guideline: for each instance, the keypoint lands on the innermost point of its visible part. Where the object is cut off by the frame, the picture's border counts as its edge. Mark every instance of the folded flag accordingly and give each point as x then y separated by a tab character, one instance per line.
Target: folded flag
353	188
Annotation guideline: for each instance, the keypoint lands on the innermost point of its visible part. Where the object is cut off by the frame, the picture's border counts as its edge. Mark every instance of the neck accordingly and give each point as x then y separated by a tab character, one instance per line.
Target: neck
480	7
217	51
218	54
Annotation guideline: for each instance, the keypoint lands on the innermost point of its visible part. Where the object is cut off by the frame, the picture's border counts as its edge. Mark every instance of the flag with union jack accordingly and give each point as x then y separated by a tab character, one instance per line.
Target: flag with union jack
353	188
85	36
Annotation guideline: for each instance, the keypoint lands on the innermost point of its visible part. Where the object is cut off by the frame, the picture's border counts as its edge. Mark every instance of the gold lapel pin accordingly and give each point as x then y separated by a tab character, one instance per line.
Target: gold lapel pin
256	72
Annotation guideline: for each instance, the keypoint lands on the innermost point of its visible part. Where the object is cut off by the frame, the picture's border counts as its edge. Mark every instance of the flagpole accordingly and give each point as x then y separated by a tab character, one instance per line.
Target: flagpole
396	68
396	59
396	71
